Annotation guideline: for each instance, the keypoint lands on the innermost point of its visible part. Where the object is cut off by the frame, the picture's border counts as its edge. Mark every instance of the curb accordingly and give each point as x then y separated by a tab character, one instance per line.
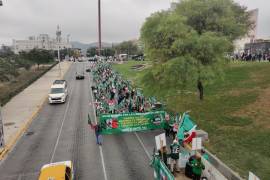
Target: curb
26	125
13	141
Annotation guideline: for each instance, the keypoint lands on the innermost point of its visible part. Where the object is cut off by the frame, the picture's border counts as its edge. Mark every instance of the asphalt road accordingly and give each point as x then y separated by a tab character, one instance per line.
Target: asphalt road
60	132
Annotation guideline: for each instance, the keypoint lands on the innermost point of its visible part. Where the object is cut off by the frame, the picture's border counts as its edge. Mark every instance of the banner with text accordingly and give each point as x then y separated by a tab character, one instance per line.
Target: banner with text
131	122
161	171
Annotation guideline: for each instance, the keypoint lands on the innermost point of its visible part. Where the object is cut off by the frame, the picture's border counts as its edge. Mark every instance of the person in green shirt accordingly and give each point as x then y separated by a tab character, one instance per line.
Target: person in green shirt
175	150
197	168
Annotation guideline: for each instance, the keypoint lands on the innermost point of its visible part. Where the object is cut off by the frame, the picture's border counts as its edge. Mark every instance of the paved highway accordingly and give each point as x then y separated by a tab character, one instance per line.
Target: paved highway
60	132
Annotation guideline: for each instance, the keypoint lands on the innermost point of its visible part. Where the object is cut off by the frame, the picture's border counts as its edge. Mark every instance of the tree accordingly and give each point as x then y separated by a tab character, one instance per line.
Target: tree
38	56
188	47
109	51
127	47
91	52
6	51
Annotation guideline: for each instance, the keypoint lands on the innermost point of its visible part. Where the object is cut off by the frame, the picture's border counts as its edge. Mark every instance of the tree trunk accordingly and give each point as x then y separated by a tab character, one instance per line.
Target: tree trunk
200	88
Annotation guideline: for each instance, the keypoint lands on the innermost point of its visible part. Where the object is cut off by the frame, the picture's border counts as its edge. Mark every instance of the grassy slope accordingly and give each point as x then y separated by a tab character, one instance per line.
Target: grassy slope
228	114
19	83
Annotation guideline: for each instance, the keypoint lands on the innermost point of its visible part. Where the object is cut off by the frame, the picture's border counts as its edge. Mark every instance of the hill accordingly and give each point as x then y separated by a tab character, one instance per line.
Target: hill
84	47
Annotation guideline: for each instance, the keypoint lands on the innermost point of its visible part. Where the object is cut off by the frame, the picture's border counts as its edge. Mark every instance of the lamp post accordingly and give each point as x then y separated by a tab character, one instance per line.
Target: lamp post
58	39
99	29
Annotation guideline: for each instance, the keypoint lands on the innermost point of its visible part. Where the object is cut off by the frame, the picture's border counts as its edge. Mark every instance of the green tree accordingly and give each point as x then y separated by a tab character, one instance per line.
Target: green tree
91	52
38	56
109	51
189	47
127	47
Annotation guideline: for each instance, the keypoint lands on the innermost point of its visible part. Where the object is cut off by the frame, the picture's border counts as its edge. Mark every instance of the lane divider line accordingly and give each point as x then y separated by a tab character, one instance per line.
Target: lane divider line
143	146
26	125
100	147
61	128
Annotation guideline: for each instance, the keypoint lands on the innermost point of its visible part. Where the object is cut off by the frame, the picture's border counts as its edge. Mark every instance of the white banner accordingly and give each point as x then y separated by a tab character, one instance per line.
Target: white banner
160	141
252	176
196	143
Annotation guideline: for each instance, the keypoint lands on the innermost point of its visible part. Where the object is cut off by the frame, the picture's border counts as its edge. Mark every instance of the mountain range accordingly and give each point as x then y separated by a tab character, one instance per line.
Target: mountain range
84	46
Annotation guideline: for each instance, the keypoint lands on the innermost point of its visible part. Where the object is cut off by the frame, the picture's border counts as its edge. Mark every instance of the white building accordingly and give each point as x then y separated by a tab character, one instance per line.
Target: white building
251	36
43	41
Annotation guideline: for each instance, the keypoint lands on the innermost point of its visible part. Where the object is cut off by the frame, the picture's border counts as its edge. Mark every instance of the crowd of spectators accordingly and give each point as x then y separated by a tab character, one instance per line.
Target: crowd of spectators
251	57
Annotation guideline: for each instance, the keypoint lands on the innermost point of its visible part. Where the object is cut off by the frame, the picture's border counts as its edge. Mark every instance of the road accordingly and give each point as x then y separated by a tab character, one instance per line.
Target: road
60	132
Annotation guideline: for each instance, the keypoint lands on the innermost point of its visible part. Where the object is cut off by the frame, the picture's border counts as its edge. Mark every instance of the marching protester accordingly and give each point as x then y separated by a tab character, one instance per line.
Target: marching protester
97	129
163	155
197	168
175	149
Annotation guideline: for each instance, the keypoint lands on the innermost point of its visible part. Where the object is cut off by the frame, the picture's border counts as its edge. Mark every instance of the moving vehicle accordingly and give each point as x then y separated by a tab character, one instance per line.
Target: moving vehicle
57	171
79	76
60	82
58	93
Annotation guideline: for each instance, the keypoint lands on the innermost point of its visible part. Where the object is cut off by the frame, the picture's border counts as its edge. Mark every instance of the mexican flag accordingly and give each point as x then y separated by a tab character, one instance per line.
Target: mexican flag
186	125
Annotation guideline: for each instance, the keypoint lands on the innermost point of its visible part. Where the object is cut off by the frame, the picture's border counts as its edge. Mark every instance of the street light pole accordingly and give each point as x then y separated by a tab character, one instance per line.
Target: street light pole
58	39
99	29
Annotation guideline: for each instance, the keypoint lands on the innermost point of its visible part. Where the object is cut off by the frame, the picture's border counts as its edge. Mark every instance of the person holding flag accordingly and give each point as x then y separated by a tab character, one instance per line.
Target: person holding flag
187	129
97	129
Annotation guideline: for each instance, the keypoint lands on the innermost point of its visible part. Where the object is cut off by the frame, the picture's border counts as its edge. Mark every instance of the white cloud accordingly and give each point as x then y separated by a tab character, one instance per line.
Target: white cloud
121	19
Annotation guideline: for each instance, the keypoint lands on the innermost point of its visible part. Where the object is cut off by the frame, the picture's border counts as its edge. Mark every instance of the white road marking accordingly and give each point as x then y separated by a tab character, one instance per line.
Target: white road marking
143	146
61	128
100	147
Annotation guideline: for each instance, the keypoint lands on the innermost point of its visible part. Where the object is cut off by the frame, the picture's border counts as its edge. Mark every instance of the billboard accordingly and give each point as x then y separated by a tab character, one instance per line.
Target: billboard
131	122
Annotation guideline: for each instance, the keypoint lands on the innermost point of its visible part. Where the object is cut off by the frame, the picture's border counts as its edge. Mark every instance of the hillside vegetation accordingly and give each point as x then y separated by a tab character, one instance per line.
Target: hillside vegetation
235	113
18	71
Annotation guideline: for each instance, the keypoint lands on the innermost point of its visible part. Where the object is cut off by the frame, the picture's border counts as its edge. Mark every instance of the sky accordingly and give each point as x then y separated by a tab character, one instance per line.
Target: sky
121	19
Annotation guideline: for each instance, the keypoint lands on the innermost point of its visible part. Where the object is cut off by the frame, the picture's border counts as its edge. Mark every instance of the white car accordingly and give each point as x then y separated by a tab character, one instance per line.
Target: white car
58	93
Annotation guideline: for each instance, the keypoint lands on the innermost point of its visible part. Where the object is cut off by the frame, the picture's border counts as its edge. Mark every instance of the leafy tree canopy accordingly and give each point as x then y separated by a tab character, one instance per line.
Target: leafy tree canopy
189	45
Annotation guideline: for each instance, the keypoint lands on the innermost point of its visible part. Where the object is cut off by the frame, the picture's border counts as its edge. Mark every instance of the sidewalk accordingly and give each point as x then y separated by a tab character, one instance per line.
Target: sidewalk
19	112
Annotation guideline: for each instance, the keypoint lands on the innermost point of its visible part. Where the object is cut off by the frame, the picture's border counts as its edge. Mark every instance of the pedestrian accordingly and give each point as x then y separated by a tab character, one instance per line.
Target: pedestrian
163	155
175	150
97	129
197	168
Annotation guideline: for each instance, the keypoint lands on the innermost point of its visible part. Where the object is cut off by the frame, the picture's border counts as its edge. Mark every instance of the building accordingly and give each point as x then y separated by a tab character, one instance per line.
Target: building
251	36
43	41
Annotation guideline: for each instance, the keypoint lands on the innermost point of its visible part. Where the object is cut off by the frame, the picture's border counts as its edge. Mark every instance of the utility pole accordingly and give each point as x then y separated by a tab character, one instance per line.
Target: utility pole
58	39
99	29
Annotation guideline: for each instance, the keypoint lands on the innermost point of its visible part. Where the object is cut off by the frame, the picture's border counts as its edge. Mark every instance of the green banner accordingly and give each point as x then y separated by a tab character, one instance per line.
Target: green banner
161	170
131	122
